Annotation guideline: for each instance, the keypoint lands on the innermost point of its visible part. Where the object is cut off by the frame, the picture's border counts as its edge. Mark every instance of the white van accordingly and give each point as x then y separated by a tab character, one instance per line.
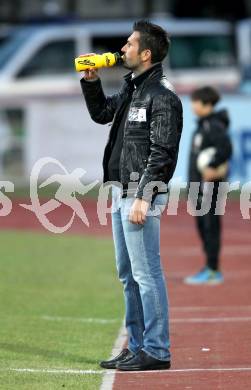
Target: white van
40	59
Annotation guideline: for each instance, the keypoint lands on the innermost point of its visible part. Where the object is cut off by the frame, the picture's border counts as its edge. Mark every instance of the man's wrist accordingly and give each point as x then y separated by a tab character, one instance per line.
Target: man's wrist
89	80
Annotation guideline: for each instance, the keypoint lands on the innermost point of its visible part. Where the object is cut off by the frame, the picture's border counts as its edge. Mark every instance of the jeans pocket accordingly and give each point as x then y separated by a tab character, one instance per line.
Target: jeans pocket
116	198
158	205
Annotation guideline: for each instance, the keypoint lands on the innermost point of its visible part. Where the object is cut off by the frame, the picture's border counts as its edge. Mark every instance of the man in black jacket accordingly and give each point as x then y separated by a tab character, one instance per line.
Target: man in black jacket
140	158
210	137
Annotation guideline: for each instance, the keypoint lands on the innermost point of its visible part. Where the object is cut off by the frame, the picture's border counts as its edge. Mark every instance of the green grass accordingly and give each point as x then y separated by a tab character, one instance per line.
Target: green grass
57	276
48	192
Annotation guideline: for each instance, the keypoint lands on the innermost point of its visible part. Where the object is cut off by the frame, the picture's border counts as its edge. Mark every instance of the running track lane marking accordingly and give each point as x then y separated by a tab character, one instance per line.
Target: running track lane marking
77	319
109	377
172	320
228	250
113	372
217	319
209	308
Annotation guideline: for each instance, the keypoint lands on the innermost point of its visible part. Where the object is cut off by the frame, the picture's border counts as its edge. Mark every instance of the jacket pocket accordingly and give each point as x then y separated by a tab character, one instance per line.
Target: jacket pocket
134	157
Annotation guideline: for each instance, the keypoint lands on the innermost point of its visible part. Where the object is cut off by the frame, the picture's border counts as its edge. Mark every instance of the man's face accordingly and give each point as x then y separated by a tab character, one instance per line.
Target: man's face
201	109
132	59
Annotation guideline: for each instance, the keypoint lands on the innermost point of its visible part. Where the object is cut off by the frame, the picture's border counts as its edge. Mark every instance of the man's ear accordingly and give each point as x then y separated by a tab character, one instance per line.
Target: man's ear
146	55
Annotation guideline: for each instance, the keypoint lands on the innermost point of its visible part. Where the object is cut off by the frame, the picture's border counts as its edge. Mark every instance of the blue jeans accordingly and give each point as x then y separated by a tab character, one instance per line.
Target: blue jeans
137	252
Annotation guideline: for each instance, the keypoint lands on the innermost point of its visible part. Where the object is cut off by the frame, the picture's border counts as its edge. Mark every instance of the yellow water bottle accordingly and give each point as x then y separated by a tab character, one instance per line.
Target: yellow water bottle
97	61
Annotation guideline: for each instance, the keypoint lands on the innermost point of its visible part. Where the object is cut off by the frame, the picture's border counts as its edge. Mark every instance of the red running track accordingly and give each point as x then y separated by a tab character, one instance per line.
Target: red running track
210	325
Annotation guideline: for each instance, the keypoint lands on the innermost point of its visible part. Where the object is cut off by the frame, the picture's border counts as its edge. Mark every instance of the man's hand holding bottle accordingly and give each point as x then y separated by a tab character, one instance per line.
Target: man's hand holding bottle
90	74
88	63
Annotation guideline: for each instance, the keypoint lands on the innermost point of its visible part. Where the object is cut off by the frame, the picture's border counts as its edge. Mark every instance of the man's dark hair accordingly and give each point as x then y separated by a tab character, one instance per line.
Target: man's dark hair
154	38
207	95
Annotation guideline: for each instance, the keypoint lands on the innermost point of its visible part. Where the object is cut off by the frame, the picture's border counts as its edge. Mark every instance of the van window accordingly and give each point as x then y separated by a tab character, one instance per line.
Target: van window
53	58
207	51
106	44
3	39
11	45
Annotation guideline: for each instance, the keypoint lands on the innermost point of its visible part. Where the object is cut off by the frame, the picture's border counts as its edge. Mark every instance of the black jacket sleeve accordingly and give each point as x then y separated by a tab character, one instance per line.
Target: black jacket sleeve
101	108
165	132
220	139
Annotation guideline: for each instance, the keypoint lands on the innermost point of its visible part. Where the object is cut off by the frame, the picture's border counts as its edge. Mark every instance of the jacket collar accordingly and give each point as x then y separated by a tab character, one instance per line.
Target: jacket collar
155	70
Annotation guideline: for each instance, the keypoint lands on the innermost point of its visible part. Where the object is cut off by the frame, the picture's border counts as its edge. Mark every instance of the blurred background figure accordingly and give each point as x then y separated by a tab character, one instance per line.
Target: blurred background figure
211	150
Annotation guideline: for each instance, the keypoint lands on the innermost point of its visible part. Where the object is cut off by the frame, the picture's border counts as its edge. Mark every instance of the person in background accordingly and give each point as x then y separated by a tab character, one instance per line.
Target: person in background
211	134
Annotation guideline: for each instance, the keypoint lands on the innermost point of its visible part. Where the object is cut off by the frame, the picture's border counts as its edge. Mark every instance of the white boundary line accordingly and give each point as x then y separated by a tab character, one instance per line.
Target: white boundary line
209	308
228	250
107	383
216	319
83	319
109	377
172	320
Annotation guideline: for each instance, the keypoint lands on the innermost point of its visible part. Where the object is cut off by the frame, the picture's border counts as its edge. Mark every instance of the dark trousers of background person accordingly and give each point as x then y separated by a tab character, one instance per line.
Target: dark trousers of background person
209	228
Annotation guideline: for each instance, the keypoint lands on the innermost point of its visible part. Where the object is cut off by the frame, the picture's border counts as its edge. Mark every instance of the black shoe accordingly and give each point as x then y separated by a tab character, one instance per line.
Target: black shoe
142	361
124	356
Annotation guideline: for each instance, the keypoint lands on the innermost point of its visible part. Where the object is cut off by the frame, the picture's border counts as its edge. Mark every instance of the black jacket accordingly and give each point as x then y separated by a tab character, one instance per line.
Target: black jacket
152	129
212	131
